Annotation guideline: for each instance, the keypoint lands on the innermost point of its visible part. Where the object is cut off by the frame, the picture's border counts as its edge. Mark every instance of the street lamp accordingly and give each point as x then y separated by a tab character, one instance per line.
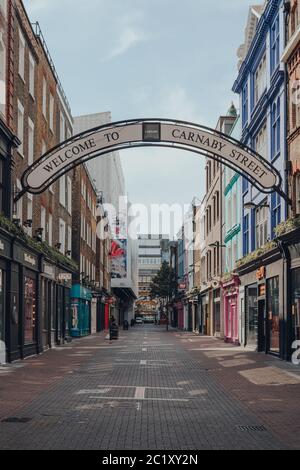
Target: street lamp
217	245
253	206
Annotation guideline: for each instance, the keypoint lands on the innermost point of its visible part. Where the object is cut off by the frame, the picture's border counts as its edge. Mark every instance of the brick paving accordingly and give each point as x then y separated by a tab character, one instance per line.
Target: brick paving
150	390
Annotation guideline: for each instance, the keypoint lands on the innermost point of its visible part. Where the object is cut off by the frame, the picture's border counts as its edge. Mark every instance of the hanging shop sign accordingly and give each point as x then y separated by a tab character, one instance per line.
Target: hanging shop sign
65	277
150	132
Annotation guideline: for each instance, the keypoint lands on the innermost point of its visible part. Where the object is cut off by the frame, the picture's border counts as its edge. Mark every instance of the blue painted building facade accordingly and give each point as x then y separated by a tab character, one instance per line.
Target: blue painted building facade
261	85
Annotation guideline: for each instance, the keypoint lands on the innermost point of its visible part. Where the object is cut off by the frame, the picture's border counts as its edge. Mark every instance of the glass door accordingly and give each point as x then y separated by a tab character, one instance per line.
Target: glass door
273	315
252	316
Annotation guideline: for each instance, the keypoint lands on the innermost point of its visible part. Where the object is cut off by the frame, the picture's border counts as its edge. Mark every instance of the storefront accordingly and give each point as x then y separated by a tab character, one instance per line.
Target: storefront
295	324
180	315
231	308
5	245
262	283
81	299
216	305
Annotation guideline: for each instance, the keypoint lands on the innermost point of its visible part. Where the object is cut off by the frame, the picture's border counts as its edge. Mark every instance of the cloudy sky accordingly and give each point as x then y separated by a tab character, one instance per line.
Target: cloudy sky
148	58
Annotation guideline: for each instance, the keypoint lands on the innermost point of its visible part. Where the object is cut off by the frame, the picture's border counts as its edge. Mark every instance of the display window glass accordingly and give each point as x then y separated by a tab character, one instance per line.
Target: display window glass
30	310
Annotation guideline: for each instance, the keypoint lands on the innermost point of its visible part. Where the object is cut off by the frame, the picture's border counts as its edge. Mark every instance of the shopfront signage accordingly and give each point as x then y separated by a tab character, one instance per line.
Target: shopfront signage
49	271
29	259
145	132
65	277
261	273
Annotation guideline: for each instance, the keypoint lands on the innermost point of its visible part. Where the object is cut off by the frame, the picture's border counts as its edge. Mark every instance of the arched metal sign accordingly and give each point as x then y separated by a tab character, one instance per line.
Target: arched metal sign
151	132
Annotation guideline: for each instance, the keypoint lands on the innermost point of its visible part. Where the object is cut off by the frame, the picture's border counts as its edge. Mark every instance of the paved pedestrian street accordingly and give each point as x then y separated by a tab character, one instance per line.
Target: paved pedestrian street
150	390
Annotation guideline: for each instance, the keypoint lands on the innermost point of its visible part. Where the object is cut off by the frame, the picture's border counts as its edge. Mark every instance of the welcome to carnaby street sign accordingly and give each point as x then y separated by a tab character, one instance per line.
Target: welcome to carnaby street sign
151	132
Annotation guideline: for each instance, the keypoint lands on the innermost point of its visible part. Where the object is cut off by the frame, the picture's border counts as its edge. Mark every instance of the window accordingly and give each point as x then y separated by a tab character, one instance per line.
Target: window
275	136
261	215
43	222
297	193
245	105
246	234
245	185
260	80
3	8
31	75
45	98
62	190
276	211
19	204
50	230
2	75
51	112
261	142
30	142
21	127
275	45
295	97
62	127
21	55
69	238
234	209
62	236
29	213
69	192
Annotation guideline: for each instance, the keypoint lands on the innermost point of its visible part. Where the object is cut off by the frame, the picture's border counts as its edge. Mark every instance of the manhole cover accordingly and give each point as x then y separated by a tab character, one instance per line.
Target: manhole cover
252	428
17	420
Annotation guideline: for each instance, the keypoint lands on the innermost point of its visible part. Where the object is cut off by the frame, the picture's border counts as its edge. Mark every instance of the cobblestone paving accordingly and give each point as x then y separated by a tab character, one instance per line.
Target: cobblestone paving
150	390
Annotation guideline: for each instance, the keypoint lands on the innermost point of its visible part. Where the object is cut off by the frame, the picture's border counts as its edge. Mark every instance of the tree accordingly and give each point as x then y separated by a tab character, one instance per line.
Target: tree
164	286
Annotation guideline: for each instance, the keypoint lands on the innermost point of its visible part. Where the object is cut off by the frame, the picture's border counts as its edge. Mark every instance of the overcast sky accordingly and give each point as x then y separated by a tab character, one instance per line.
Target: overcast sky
148	58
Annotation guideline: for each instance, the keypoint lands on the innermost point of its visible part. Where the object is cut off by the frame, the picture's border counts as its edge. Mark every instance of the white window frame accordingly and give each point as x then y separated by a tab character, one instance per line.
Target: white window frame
261	226
31	75
29	212
50	229
260	79
62	235
69	238
20	130
22	49
43	221
69	193
51	112
45	98
30	142
62	190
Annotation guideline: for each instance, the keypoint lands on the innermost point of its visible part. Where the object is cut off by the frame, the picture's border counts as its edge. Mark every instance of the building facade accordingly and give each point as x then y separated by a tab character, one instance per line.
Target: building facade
211	298
232	252
153	250
262	90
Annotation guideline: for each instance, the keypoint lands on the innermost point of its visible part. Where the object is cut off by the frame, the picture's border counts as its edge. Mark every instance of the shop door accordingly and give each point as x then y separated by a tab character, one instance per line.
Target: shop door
233	321
296	305
252	316
2	317
273	315
261	326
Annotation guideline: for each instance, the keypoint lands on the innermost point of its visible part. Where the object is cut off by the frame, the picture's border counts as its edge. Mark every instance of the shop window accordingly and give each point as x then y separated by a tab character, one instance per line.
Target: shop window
30	311
297	193
2	309
296	304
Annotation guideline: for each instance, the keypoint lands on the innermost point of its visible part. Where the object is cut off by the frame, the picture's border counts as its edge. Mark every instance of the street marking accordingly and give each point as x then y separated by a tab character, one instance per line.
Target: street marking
143	363
144	350
140	393
139	407
182	400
